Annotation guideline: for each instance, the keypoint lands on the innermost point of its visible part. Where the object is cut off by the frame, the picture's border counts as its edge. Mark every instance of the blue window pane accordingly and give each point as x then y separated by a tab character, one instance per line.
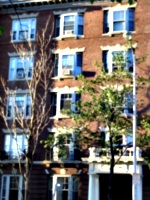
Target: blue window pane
80	24
118	26
80	30
119	20
67	61
131	25
69	23
131	13
118	15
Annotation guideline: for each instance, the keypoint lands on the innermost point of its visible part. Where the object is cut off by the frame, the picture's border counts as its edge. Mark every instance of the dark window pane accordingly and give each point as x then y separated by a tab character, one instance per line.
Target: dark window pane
50	187
13	195
80	30
53	103
9	111
131	19
57	26
104	57
56	58
79	59
106	25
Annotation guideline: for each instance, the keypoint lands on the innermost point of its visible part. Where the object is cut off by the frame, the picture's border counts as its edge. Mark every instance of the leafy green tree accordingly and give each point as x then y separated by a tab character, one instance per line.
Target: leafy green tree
106	98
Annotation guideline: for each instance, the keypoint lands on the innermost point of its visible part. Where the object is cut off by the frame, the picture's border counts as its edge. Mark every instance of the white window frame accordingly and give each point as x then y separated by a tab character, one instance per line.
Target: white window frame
110	20
12	107
12	145
117	48
59	92
56	186
20	33
111	62
71	72
6	186
70	33
21	68
70	145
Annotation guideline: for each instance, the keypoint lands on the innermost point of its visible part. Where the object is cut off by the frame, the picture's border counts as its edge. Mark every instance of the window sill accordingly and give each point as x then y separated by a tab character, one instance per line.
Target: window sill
68	36
24	118
63	77
20	79
127	115
60	116
19	41
110	34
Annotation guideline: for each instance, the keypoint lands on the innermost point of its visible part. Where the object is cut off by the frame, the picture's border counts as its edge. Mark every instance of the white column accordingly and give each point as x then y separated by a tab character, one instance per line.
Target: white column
137	186
93	190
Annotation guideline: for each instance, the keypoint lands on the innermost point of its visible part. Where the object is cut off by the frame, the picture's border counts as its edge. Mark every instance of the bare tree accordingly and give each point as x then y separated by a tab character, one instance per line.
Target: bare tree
32	118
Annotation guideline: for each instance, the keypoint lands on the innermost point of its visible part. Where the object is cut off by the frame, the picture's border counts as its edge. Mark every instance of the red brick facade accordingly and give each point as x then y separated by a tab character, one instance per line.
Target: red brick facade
92	40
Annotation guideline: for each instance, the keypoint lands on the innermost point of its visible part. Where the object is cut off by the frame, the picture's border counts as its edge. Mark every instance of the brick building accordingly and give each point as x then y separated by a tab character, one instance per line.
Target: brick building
81	34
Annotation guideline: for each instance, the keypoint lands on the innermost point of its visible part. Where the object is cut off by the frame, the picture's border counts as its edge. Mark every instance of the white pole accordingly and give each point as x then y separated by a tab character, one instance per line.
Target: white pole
134	112
136	179
135	194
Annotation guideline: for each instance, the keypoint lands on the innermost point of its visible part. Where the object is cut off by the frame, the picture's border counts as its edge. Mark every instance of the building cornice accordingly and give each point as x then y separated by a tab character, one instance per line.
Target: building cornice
38	5
24	15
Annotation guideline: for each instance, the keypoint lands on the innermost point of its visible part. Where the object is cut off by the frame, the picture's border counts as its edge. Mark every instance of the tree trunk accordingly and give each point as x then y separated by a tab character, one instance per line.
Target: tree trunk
110	186
26	178
28	166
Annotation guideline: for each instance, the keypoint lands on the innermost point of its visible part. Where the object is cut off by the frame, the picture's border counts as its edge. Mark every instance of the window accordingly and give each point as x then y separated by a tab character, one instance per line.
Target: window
63	187
20	68
113	60
24	29
19	106
128	104
67	25
65	146
14	145
67	64
62	101
119	140
12	186
118	20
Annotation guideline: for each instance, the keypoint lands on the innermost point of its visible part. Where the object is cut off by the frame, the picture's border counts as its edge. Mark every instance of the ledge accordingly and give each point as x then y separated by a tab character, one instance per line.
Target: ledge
105	159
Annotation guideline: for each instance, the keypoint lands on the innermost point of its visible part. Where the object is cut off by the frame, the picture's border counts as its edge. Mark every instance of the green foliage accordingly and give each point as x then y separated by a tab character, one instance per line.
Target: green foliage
49	142
61	141
105	99
2	30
